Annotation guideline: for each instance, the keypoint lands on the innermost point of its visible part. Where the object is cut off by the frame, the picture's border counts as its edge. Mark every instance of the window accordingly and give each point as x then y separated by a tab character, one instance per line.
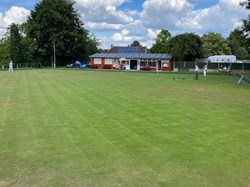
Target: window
108	61
165	63
97	61
152	64
143	63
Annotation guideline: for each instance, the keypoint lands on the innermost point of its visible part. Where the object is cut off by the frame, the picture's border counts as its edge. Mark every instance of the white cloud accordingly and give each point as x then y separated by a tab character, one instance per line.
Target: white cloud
197	1
180	16
164	13
222	18
104	26
230	5
103	11
152	34
16	15
136	28
124	36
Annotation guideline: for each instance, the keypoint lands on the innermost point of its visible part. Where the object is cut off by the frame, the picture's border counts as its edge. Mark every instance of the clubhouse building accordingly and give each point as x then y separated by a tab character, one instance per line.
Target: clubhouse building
132	59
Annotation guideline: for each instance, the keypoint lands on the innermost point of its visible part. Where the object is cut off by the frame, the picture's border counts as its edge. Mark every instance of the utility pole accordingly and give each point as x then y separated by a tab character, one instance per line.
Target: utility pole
54	49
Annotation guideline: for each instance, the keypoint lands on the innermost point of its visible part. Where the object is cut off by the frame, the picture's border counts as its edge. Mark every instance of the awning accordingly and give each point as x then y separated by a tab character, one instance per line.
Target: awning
122	59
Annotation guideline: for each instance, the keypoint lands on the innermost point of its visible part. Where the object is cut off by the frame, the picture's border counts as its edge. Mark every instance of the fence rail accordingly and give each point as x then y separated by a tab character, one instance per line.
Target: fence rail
22	65
186	66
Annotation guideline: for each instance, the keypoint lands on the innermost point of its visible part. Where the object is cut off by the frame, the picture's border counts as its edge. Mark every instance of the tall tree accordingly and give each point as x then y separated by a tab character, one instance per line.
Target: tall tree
238	43
187	46
161	42
92	44
246	24
4	50
236	40
215	44
55	23
136	44
27	45
16	50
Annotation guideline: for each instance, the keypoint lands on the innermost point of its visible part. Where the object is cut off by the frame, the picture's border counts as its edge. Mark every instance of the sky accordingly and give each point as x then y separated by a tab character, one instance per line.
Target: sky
120	22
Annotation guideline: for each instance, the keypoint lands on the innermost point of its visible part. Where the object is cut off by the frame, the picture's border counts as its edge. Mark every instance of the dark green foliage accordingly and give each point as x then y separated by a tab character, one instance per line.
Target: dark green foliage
4	51
215	44
246	24
241	53
16	48
136	44
161	44
236	40
186	47
92	44
56	21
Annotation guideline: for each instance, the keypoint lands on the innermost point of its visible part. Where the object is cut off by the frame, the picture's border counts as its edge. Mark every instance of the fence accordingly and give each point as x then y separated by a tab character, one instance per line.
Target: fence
22	66
186	66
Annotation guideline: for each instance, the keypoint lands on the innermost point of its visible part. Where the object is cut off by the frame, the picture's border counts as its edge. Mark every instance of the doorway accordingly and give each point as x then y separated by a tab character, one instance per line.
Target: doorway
133	64
159	65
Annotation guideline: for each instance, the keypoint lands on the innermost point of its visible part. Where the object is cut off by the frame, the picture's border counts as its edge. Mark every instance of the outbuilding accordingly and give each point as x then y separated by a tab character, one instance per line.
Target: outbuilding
132	61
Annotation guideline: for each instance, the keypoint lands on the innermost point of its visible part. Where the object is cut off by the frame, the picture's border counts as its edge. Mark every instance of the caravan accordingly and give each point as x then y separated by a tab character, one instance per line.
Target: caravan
221	59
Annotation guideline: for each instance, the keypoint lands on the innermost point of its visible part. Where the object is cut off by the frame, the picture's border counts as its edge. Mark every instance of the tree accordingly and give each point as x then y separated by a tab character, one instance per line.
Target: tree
4	50
55	23
16	50
236	40
135	44
245	3
186	47
241	53
215	44
161	42
246	23
28	48
92	47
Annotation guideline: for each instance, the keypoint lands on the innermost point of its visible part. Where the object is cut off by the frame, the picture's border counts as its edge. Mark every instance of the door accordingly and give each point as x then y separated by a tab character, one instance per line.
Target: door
159	65
133	64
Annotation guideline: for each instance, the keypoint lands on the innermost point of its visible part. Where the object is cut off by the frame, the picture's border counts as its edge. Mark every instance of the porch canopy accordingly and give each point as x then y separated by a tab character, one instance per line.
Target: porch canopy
122	59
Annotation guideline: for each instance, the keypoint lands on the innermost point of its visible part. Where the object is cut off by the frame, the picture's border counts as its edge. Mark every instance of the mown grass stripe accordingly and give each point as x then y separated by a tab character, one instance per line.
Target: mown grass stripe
88	128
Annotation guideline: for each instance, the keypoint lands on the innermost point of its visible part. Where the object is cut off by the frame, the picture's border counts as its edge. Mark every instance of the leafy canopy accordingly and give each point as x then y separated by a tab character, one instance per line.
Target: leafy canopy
186	47
57	22
16	48
215	44
135	44
161	42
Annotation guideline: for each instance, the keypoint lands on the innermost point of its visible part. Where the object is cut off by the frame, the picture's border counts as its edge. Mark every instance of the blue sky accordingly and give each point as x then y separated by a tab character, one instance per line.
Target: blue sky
206	4
120	22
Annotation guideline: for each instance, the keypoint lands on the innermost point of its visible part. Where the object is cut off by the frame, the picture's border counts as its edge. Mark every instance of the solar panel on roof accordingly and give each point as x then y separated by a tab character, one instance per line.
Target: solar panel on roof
128	49
131	55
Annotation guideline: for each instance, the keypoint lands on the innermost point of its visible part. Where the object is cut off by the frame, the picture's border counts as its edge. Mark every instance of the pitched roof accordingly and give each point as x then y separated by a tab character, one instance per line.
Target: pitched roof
131	56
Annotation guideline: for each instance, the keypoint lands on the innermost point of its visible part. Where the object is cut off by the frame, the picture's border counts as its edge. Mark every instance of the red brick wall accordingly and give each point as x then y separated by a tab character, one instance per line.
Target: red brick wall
170	67
103	66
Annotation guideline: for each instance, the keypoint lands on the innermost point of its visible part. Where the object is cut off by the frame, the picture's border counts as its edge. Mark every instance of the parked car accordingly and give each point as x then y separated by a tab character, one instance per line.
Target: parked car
85	65
76	64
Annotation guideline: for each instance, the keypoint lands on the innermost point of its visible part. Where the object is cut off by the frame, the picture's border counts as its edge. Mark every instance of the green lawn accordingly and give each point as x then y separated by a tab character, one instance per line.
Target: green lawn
98	128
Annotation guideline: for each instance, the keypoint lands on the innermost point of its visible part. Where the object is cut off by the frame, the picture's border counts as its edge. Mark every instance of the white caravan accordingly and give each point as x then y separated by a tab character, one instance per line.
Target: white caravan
221	59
